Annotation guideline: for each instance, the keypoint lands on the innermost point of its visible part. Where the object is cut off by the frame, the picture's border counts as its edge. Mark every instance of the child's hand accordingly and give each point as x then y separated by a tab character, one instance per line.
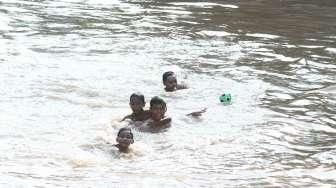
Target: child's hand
166	120
126	117
197	113
162	122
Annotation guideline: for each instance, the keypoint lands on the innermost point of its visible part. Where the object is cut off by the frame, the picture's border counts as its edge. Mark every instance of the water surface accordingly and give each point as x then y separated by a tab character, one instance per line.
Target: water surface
68	67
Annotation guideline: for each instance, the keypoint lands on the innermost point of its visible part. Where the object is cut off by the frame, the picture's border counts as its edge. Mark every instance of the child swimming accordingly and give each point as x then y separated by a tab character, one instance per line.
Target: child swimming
124	140
158	121
137	103
170	82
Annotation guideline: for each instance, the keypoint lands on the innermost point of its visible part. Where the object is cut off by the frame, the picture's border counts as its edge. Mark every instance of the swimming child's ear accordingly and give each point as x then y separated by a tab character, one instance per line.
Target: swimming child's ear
132	141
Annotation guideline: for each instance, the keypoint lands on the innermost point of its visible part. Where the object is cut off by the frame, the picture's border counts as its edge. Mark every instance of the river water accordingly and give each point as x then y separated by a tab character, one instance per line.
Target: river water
68	67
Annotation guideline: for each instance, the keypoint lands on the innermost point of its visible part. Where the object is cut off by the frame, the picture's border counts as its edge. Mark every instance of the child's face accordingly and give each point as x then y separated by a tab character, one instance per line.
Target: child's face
136	104
157	112
125	139
171	82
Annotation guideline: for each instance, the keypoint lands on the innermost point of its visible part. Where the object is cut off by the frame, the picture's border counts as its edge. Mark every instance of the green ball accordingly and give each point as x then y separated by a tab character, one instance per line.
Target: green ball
225	98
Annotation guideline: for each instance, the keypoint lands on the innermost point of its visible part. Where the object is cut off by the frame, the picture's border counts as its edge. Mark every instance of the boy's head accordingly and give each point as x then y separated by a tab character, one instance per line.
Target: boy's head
157	108
137	102
169	80
125	137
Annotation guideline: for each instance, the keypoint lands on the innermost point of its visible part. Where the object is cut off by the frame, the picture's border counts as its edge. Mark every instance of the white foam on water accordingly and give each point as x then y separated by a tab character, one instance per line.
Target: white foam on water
301	102
312	47
332	50
215	33
262	35
4	23
204	4
99	2
64	92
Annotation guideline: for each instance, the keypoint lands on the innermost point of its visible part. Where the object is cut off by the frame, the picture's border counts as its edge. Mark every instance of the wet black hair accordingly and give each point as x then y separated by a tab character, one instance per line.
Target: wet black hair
166	75
138	95
125	129
158	100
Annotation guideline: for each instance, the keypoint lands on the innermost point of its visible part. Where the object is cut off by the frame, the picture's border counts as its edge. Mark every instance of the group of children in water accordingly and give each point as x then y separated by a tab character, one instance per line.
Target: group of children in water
155	115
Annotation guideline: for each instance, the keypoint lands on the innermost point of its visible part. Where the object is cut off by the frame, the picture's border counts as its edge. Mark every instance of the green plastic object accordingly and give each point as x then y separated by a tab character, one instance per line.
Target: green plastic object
225	98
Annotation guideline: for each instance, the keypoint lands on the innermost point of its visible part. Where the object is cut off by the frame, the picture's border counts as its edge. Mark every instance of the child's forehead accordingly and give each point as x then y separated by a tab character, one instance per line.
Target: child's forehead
170	77
157	105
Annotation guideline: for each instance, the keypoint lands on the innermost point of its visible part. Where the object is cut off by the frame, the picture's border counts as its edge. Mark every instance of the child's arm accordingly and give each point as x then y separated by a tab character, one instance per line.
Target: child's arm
197	113
126	117
164	123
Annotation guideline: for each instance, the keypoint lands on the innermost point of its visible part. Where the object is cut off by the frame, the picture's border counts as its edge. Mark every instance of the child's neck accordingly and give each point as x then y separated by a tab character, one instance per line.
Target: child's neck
170	89
123	149
139	112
